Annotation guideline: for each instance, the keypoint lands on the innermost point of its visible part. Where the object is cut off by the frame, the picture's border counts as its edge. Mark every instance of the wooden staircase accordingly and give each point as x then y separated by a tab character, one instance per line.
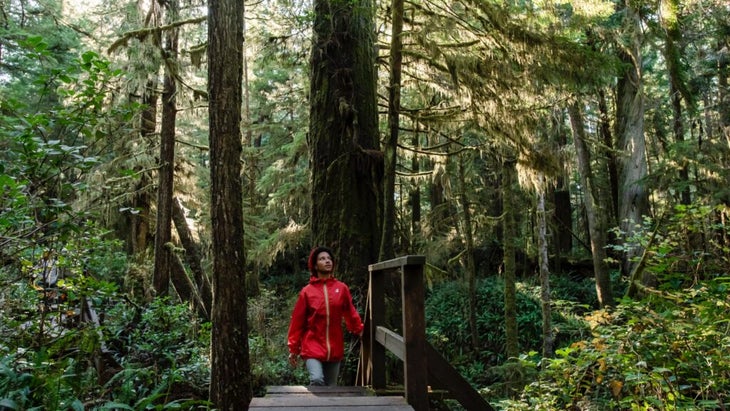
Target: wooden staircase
425	370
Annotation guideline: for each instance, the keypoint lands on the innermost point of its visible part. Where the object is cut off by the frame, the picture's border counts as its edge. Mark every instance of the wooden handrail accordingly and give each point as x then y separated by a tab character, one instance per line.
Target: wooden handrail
398	263
421	362
414	328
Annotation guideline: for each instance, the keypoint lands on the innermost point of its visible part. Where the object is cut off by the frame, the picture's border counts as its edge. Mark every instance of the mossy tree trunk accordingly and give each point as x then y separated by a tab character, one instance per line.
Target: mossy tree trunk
548	338
163	231
674	56
139	220
633	196
193	259
414	199
470	264
230	379
596	209
345	160
509	179
391	145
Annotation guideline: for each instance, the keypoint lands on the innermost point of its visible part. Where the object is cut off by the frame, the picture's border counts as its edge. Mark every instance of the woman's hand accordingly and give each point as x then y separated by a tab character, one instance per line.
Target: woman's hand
293	359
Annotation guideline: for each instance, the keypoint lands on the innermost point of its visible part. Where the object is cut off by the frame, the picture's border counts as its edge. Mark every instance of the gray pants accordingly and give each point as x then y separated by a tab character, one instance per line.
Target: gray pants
322	373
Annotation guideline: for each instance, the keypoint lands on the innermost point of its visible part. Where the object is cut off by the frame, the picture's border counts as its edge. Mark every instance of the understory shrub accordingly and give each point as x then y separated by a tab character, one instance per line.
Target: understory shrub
448	326
658	354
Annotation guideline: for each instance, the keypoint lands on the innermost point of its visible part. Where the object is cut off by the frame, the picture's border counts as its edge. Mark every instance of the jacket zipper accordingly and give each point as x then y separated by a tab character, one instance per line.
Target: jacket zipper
327	329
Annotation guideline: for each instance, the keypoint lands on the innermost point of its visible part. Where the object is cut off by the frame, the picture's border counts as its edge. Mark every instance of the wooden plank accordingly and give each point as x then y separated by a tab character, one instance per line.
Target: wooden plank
405	407
391	341
398	262
313	401
340	390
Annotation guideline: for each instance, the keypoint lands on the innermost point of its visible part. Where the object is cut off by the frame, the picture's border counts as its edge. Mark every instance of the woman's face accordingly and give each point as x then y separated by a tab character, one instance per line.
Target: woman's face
324	263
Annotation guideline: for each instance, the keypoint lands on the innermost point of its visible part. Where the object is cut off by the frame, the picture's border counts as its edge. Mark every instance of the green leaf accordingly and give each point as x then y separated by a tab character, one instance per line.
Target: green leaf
7	403
89	56
116	405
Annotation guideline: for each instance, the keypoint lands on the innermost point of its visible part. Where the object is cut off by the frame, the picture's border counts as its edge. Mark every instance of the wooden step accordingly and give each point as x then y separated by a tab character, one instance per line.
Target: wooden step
298	397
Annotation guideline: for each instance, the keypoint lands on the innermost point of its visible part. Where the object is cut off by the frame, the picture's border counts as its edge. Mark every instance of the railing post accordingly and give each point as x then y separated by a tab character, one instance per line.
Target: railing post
377	318
414	336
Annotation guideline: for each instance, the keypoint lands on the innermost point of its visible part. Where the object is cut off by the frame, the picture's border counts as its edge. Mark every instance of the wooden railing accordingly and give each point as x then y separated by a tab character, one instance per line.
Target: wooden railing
423	366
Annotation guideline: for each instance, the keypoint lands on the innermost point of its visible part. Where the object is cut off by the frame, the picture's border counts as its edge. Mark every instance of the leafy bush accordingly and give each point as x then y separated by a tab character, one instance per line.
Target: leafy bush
46	350
655	354
163	349
448	325
269	315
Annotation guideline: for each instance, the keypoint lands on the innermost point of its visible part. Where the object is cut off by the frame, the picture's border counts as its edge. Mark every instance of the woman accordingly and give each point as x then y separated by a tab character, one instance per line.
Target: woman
315	330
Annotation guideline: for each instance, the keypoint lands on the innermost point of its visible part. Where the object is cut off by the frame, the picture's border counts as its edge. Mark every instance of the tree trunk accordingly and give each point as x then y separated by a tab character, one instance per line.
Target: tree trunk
723	81
633	196
192	257
414	200
563	215
347	168
677	88
139	220
509	171
595	209
396	59
184	286
548	338
611	160
230	373
471	269
163	231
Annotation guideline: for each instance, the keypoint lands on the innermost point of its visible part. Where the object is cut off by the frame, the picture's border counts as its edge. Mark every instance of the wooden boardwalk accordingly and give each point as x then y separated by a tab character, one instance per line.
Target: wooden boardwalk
299	397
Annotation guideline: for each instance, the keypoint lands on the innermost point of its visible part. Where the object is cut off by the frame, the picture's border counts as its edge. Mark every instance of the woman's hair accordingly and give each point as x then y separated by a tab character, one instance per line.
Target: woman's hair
312	262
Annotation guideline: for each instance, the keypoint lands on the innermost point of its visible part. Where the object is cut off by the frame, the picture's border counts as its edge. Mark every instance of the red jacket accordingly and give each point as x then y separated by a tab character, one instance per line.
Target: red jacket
315	330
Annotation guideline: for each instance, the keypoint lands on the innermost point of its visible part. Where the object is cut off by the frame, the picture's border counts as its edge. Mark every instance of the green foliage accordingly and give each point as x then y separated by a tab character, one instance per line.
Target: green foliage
269	314
156	355
163	350
448	330
50	145
644	355
46	350
34	380
667	351
685	247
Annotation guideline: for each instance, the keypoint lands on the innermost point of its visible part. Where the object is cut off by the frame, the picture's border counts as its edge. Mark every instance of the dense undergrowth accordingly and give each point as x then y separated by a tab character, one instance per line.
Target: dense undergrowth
667	351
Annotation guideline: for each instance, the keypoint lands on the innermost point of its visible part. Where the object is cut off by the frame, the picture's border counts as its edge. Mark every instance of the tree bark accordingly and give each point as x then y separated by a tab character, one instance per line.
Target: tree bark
396	59
595	209
141	201
471	270
230	374
163	231
611	160
633	196
548	339
677	88
414	199
509	179
346	165
192	257
560	194
183	285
